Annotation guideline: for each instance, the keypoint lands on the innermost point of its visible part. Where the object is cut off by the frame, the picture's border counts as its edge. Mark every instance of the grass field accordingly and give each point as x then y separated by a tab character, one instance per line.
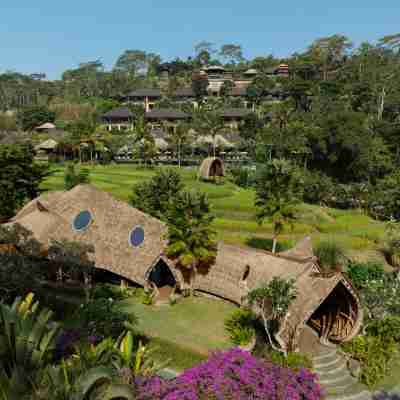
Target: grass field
234	208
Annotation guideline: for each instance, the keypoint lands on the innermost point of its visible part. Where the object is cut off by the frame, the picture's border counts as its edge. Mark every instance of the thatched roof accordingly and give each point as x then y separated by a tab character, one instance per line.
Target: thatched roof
118	113
302	251
235	272
47	125
51	217
49	144
225	277
164	113
218	141
211	167
141	93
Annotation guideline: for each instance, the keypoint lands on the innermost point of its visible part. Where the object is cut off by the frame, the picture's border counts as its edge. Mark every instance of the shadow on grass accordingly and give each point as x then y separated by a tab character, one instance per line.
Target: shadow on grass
266	244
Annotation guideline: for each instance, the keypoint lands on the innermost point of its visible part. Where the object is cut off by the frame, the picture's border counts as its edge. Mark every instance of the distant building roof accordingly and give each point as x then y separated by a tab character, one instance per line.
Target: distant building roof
47	125
164	113
155	93
49	144
214	68
251	71
235	112
119	113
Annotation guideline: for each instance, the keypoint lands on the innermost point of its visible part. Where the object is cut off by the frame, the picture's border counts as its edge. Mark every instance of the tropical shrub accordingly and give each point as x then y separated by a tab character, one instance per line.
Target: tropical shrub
375	355
273	300
26	344
101	317
318	188
387	328
361	273
330	255
291	360
233	374
74	176
240	326
107	291
243	177
154	196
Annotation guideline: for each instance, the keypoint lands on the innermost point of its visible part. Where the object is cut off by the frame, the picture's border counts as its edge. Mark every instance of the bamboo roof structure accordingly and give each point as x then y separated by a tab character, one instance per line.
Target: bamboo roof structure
328	303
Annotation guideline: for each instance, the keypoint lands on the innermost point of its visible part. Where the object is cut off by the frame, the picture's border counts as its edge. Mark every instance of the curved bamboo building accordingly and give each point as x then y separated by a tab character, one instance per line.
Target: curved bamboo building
132	245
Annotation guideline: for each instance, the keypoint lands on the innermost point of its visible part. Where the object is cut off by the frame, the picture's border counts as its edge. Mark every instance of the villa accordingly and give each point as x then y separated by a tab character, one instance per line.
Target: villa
132	245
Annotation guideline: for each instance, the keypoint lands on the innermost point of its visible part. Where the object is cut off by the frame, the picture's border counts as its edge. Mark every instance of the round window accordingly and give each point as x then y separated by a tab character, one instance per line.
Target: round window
82	221
136	237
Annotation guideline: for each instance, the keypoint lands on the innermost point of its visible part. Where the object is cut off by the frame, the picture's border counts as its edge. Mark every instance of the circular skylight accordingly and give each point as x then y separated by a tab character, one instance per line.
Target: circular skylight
136	237
82	221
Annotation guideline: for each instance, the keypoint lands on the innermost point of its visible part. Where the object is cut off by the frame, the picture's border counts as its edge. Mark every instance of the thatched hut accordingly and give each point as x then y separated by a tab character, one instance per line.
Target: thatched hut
132	245
211	168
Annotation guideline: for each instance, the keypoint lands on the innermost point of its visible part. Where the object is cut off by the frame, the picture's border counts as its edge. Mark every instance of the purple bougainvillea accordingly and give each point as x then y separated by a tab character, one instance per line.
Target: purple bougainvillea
233	375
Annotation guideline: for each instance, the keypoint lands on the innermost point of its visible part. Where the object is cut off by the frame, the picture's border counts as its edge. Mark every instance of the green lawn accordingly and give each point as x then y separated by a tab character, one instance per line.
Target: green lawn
195	323
234	207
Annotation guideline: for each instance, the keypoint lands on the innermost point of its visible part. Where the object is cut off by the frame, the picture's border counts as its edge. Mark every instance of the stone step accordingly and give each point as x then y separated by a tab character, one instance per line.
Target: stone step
358	394
325	371
329	353
327	362
337	380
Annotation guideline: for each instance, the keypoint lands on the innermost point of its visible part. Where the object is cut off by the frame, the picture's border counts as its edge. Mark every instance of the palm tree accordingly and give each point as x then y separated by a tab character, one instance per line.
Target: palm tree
278	193
191	239
179	136
208	123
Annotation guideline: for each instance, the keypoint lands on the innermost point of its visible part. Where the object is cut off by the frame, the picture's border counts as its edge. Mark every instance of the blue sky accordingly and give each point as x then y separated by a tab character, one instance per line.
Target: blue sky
53	35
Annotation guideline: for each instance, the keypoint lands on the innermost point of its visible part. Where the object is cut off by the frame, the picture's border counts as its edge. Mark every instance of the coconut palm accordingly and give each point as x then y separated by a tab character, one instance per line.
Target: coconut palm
180	135
208	123
191	239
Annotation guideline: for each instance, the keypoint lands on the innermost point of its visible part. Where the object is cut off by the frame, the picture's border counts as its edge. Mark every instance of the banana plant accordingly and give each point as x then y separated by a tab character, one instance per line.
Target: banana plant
137	360
94	384
26	344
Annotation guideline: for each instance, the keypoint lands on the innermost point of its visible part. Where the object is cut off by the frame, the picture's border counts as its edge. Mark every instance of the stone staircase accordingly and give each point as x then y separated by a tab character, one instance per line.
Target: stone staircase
335	377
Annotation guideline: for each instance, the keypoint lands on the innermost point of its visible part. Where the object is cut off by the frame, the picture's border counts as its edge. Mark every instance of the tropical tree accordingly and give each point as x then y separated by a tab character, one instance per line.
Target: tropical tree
208	122
278	192
191	240
31	117
272	301
74	176
180	135
231	53
154	196
21	267
20	177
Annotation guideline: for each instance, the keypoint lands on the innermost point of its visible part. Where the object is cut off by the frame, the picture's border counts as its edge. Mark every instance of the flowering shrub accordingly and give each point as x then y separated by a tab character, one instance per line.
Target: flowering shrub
233	375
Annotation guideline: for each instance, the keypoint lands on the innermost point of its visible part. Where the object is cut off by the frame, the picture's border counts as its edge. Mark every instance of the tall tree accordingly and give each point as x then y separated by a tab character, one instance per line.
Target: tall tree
208	122
278	193
132	62
190	236
20	177
154	196
180	135
231	53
